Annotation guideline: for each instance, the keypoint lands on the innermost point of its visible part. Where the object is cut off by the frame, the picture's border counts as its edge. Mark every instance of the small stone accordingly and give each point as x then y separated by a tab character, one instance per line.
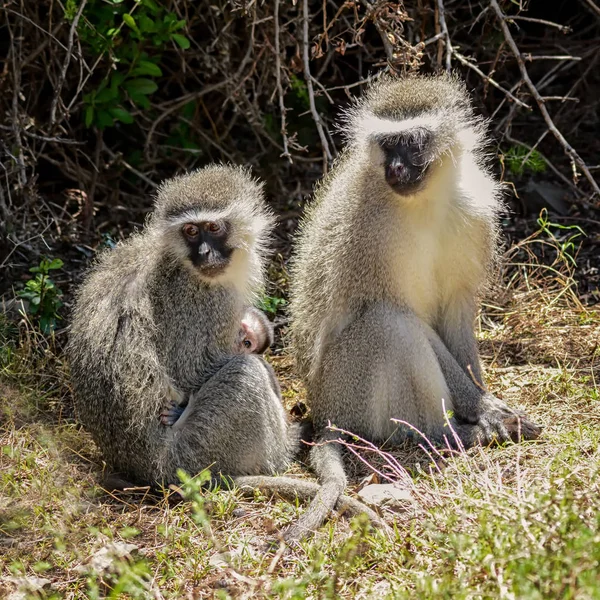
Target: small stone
380	494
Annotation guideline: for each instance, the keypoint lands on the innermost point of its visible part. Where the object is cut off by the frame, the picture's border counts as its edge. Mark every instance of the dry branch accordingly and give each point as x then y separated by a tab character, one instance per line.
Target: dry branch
570	151
327	157
63	73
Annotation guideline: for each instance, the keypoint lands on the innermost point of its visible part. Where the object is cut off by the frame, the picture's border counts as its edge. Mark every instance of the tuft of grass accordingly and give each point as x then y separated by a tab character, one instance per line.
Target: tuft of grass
519	160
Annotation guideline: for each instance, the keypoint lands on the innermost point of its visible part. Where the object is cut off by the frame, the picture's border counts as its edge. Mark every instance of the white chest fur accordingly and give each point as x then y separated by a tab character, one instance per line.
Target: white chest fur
437	255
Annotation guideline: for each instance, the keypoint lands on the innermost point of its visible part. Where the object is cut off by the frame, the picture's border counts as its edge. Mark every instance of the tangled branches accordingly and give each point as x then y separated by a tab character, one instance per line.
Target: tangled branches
102	100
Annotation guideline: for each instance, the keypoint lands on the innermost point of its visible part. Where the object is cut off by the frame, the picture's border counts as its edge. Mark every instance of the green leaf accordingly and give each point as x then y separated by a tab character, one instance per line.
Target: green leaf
140	100
89	116
121	115
178	25
140	86
145	67
116	80
181	41
106	95
146	24
130	22
35	270
104	119
57	263
151	5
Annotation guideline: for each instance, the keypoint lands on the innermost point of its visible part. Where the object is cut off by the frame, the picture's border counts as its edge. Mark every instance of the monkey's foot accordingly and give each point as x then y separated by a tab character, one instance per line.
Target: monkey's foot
504	426
171	413
521	428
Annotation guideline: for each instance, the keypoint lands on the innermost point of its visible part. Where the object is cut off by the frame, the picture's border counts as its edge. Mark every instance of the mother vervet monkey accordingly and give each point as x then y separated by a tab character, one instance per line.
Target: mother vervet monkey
388	264
157	320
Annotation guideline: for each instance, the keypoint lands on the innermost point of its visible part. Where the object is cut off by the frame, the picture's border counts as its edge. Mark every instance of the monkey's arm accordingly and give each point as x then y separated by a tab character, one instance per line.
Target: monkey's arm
456	331
456	350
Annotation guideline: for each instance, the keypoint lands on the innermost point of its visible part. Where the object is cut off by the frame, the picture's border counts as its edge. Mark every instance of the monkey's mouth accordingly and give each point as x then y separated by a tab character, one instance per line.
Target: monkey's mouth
404	179
213	270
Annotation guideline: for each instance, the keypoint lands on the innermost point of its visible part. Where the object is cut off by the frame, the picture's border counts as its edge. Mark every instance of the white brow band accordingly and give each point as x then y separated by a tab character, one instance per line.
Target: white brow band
370	125
199	216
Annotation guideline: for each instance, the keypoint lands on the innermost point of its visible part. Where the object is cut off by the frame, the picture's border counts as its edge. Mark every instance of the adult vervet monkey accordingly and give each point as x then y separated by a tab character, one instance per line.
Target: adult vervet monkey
388	264
158	319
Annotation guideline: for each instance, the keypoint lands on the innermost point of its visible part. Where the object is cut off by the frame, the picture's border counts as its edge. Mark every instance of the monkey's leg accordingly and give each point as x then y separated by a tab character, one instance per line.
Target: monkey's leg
234	424
475	404
380	367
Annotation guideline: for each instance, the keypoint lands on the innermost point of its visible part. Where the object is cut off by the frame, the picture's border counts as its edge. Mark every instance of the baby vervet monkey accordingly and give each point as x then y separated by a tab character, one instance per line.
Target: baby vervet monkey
255	337
389	264
256	333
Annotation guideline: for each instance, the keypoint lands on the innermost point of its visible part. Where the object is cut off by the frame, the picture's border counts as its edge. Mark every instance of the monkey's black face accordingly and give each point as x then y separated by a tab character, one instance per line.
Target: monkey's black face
405	165
207	244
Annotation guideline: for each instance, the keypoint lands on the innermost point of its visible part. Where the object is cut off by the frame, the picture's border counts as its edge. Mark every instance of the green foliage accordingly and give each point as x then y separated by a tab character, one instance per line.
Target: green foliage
193	492
271	304
134	34
519	159
299	88
42	295
566	246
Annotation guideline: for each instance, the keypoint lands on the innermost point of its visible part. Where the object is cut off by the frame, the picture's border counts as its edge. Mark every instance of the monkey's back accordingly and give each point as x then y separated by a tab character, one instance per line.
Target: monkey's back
112	307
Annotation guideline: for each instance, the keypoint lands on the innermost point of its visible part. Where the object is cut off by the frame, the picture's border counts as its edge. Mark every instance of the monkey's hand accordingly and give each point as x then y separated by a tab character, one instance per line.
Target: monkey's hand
170	413
501	423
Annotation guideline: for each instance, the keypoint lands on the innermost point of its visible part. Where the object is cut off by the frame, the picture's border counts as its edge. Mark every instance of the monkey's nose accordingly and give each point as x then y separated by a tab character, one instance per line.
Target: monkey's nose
203	250
395	173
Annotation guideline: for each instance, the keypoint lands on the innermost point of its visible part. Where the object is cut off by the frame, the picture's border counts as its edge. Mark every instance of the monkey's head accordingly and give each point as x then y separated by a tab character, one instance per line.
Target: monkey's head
256	333
215	221
408	125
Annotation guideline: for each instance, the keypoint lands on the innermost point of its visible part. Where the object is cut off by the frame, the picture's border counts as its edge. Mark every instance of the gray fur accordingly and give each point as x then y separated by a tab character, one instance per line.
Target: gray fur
384	286
147	329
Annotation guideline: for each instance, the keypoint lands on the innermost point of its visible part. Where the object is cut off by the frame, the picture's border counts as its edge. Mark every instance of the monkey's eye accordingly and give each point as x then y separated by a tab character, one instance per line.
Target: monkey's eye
190	230
213	227
247	344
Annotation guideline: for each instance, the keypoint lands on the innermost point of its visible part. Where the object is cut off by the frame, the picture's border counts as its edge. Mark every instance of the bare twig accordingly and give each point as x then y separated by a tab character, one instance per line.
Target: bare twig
561	28
593	6
442	19
560	175
16	68
387	46
63	72
477	70
286	152
45	138
178	104
311	94
530	57
569	150
119	158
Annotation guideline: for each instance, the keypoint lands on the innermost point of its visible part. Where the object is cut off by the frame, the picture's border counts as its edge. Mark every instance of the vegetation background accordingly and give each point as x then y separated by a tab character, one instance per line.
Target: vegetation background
102	99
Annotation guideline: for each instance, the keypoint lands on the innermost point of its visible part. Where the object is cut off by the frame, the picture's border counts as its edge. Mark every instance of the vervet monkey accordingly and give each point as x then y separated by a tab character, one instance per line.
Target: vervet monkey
256	332
388	264
157	318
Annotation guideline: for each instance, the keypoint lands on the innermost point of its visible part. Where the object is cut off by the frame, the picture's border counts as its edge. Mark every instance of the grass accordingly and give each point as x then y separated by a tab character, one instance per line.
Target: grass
520	521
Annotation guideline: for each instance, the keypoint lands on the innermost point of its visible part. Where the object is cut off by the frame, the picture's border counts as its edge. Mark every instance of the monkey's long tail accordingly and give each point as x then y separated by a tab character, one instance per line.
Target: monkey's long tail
327	461
292	489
